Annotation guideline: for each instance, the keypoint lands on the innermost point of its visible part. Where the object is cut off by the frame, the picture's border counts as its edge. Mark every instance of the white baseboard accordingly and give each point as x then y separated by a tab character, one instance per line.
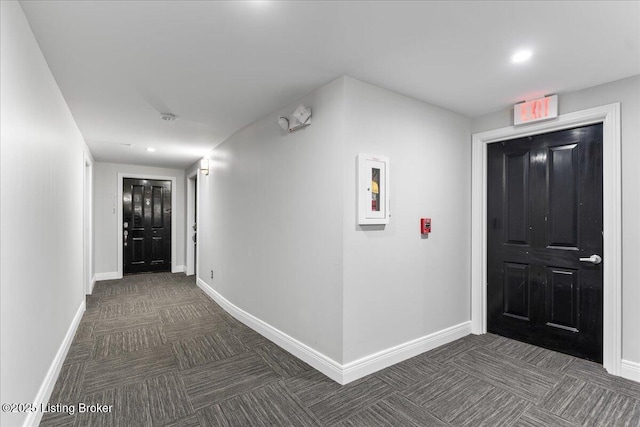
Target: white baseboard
34	418
630	370
322	363
112	275
93	284
375	362
351	371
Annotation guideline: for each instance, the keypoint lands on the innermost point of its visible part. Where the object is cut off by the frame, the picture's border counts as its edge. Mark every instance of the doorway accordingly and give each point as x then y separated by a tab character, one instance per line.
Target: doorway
175	268
544	240
87	252
192	224
609	116
146	226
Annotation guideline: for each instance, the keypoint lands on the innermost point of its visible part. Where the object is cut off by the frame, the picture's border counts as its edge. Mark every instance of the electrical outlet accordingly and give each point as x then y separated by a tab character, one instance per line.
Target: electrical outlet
212	274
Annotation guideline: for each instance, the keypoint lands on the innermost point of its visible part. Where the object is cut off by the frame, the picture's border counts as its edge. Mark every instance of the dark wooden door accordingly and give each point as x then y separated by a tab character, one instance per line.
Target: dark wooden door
146	225
544	212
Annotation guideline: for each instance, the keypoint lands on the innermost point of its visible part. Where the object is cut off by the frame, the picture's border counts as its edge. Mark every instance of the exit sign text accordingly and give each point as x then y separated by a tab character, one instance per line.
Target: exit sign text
535	110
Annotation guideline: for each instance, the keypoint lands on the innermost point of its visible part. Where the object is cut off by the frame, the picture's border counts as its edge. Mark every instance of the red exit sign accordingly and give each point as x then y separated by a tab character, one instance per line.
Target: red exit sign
535	110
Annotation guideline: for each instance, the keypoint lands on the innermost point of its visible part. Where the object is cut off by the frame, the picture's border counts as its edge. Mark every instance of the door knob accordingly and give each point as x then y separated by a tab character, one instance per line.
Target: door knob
593	259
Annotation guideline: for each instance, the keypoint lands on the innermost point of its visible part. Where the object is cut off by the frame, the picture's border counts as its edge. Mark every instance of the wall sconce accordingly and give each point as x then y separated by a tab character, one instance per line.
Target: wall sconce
204	166
300	118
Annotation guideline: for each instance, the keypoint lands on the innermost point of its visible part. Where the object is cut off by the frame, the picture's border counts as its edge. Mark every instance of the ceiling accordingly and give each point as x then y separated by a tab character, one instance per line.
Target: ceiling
219	66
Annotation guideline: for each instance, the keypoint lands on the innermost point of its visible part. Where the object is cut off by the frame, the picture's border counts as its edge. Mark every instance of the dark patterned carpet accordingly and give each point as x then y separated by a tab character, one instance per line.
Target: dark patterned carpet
158	350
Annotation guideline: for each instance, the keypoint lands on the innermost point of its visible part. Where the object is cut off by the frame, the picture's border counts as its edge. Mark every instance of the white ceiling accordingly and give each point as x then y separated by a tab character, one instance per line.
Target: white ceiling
219	66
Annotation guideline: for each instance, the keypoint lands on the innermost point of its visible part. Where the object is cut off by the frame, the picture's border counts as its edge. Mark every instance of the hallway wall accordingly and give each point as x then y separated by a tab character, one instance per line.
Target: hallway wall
270	222
278	224
398	285
106	213
41	216
625	91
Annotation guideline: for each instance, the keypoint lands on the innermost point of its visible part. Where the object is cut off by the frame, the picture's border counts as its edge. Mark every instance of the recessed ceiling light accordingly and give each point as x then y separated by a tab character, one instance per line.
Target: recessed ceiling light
168	117
521	56
151	149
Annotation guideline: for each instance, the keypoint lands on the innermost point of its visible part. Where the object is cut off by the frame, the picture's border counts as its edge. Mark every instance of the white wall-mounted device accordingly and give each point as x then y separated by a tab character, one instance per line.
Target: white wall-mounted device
373	190
300	118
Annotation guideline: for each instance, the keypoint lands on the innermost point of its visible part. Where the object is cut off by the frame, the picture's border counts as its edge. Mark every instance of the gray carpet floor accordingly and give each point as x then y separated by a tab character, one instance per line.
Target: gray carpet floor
161	353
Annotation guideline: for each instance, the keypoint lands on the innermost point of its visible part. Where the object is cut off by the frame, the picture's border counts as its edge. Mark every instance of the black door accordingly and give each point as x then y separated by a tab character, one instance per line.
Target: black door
146	225
544	212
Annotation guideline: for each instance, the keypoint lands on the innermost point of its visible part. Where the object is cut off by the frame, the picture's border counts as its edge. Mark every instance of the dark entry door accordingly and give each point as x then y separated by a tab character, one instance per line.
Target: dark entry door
146	225
544	211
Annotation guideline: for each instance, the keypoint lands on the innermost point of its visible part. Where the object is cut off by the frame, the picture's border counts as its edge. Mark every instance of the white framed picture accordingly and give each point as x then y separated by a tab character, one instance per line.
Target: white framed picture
373	189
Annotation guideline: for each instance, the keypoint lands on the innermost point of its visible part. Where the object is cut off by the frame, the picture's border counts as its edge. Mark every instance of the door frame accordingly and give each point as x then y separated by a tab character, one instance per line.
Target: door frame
173	179
88	276
191	253
609	116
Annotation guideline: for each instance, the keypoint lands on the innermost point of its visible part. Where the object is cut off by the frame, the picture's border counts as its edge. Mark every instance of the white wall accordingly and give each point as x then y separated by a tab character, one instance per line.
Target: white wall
106	212
271	222
399	286
42	168
278	222
627	92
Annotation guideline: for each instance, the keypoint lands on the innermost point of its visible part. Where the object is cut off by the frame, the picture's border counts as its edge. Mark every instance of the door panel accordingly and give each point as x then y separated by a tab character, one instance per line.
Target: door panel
562	224
157	250
137	250
563	304
517	197
146	225
138	206
516	290
544	212
156	213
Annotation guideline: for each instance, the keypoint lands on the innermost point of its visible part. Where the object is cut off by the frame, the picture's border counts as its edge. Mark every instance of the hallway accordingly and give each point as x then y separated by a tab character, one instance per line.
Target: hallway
157	350
272	120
